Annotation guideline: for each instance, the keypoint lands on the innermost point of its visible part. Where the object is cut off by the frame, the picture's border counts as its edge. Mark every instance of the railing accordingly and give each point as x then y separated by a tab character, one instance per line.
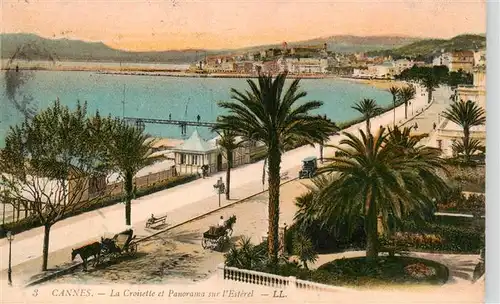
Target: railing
274	281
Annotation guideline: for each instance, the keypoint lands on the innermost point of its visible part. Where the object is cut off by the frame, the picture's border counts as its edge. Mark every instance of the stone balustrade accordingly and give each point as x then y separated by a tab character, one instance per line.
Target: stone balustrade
291	284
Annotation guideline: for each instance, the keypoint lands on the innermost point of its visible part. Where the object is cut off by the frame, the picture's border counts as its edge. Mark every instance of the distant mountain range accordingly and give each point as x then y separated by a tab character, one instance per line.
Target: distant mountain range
33	47
430	47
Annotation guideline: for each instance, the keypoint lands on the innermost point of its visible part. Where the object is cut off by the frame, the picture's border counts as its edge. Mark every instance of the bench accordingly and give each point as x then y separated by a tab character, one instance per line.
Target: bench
392	250
155	220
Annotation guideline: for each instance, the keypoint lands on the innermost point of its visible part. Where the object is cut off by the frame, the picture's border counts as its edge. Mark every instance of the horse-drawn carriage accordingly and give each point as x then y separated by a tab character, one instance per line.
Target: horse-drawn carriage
120	243
217	236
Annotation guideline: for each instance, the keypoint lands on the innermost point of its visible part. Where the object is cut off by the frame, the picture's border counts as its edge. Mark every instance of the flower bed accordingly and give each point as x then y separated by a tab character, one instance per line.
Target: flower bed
384	270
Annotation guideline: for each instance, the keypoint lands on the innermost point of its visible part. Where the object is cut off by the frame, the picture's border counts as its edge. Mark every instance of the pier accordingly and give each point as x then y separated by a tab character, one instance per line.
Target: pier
182	123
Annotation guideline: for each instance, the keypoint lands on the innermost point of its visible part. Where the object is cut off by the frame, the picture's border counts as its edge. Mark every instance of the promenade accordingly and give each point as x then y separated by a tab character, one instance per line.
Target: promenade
179	203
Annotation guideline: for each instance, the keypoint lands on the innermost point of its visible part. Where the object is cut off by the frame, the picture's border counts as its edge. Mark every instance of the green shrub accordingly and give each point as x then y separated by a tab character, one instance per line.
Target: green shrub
335	239
443	234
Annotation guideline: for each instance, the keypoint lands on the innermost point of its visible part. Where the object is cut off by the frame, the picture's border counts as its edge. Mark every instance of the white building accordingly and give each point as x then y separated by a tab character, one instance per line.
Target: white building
480	58
443	59
402	64
449	132
385	70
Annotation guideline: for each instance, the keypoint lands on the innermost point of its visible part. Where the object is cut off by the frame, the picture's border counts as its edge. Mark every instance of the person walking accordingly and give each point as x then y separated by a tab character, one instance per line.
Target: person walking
198	117
170	116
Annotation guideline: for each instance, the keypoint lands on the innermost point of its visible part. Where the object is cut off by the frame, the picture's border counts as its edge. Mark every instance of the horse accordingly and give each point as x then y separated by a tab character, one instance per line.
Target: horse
87	251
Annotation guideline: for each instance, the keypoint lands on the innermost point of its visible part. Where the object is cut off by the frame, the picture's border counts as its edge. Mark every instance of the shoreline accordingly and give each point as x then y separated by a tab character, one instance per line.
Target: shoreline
382	84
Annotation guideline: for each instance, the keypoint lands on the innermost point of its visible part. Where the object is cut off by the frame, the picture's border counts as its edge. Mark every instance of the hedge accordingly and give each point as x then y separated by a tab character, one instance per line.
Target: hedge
455	234
33	222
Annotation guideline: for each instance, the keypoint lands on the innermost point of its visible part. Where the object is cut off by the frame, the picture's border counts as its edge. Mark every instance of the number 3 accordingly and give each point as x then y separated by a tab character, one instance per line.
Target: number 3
35	292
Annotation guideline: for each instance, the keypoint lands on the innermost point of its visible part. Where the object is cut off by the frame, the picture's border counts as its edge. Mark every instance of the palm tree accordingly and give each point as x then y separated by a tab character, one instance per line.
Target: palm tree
395	93
466	114
272	115
228	141
129	151
369	108
431	82
303	248
405	95
375	177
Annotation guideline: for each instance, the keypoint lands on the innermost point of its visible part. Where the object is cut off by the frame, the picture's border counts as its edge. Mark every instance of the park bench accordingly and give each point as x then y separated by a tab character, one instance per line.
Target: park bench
155	220
392	250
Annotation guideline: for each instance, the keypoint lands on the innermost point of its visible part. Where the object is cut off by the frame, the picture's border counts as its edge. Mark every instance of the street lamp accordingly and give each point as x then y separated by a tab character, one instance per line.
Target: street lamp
219	187
10	238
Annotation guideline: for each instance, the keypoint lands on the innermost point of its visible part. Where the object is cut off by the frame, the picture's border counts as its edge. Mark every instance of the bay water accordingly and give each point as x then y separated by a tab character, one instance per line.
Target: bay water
183	98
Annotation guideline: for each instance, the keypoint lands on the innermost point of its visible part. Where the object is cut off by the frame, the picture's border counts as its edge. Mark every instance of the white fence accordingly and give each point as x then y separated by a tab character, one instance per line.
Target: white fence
292	284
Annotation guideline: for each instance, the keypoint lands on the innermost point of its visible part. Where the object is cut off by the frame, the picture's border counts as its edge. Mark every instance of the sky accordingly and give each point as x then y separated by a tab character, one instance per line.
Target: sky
142	25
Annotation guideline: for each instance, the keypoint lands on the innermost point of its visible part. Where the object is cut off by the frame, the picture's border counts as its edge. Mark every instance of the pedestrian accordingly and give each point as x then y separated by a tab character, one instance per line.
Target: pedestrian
415	126
434	126
198	117
170	116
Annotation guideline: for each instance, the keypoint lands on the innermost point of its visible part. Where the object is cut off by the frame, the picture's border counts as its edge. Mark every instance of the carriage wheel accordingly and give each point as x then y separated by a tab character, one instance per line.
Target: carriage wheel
204	243
132	248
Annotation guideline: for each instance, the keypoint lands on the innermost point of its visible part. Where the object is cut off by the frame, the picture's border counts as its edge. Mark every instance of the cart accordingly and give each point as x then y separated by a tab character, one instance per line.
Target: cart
122	243
309	167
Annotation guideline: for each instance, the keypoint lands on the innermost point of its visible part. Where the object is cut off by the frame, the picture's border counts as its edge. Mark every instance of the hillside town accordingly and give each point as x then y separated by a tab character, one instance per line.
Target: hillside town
318	60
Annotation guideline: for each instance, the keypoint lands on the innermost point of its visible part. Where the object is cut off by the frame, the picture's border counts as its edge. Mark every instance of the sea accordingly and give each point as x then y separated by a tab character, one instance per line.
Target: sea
182	98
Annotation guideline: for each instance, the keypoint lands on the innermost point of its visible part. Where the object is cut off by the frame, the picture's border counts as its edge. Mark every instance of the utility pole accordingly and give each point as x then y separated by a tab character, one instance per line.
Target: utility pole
123	101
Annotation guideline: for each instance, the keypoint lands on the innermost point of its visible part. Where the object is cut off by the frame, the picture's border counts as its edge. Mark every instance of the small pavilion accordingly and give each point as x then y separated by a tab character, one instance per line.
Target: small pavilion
195	152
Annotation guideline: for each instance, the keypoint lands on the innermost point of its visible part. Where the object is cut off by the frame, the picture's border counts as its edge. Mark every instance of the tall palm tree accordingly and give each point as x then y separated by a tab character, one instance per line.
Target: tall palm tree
466	114
375	177
431	82
270	114
395	93
369	108
229	142
405	95
129	152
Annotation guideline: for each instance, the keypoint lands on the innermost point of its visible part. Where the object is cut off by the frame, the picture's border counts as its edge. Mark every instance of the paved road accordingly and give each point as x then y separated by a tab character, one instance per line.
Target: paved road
192	196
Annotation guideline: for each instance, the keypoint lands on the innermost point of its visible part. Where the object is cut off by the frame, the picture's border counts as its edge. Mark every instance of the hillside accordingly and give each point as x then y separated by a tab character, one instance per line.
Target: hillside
429	47
344	43
33	47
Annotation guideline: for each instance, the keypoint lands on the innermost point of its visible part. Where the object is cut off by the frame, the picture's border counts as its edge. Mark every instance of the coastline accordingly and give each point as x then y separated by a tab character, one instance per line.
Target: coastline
383	84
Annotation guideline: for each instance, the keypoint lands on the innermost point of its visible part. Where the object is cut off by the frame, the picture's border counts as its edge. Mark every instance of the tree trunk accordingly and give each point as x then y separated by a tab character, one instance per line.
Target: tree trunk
129	192
429	95
274	162
368	131
406	110
45	254
466	144
371	231
228	172
394	104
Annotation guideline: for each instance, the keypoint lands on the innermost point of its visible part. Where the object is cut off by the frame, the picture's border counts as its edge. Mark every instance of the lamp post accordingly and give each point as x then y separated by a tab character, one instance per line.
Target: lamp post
219	187
10	238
